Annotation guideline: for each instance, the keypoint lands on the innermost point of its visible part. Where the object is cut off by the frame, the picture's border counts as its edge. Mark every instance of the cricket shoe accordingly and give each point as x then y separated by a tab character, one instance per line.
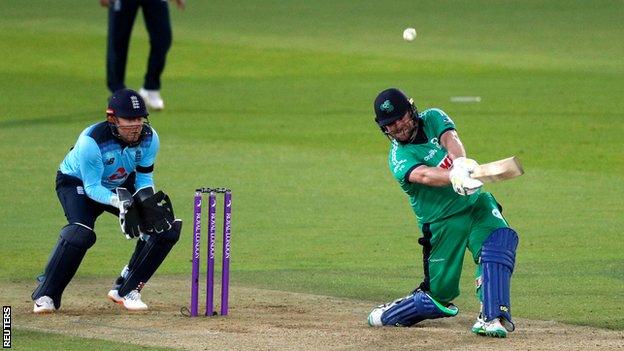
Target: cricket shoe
132	300
492	328
44	304
374	317
479	326
152	98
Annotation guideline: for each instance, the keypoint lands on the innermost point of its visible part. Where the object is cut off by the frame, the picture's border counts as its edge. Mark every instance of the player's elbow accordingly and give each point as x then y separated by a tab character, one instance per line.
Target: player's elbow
90	190
422	178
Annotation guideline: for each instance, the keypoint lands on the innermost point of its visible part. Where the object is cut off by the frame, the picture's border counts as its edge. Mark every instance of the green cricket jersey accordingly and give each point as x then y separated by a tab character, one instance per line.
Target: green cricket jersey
430	203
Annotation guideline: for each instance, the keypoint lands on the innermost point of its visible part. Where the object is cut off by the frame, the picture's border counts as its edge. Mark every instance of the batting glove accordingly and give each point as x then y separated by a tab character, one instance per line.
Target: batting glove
467	164
462	183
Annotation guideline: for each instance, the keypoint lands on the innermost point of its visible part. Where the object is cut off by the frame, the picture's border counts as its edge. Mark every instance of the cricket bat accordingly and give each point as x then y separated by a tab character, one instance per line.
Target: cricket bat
496	171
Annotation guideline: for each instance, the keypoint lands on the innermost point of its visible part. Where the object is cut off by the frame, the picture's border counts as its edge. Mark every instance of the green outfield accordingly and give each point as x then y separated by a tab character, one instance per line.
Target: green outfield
274	100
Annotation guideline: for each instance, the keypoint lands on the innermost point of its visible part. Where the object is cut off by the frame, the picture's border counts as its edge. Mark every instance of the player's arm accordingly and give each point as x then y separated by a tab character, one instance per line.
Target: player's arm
431	176
91	170
145	169
453	145
437	176
181	4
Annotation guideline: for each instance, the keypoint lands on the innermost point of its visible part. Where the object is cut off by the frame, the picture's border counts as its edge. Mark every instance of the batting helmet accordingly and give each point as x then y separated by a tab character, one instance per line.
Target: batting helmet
126	103
391	105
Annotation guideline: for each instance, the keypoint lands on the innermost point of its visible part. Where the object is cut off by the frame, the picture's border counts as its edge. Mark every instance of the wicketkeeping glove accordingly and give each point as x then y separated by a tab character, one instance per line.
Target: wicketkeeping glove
156	213
129	219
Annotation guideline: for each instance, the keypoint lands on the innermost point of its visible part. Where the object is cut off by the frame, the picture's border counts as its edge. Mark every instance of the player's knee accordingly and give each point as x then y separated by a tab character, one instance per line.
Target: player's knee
78	235
163	43
500	247
443	288
172	235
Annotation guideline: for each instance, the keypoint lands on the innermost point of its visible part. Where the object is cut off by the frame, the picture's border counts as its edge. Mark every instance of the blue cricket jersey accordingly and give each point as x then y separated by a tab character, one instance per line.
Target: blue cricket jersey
103	162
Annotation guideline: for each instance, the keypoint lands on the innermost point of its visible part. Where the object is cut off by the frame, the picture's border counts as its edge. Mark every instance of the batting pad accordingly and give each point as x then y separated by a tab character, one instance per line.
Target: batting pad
498	257
415	308
74	241
150	257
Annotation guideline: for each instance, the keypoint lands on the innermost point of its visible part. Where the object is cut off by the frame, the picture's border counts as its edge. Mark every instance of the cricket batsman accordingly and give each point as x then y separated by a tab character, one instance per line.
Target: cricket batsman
428	160
110	161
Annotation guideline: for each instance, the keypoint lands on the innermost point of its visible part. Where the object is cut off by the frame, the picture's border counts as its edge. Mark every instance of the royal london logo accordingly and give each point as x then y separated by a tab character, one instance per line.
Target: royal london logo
386	106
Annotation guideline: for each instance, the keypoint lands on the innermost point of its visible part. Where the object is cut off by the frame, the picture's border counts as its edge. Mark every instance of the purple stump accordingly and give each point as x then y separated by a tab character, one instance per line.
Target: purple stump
225	266
212	207
196	239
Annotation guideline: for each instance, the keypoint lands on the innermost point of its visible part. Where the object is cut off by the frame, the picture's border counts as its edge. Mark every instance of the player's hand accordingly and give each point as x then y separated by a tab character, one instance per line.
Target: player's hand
129	218
156	213
181	4
462	183
131	225
467	164
104	3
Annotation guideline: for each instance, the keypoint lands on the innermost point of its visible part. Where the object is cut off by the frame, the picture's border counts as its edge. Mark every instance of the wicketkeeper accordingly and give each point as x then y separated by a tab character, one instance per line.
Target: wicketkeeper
428	160
110	161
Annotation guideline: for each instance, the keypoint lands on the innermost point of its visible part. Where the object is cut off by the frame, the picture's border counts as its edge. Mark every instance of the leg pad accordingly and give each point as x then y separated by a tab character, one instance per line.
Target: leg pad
414	308
72	245
151	255
498	257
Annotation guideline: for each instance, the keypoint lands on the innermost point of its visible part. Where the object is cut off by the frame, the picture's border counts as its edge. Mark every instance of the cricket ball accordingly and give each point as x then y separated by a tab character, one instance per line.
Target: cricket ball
409	34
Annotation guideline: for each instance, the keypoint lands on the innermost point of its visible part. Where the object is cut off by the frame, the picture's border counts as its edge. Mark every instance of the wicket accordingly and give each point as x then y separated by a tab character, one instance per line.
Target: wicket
210	255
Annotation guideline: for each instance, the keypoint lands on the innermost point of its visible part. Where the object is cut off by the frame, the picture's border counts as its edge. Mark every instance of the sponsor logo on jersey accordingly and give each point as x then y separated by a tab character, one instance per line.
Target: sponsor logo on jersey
446	162
120	173
430	155
137	155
